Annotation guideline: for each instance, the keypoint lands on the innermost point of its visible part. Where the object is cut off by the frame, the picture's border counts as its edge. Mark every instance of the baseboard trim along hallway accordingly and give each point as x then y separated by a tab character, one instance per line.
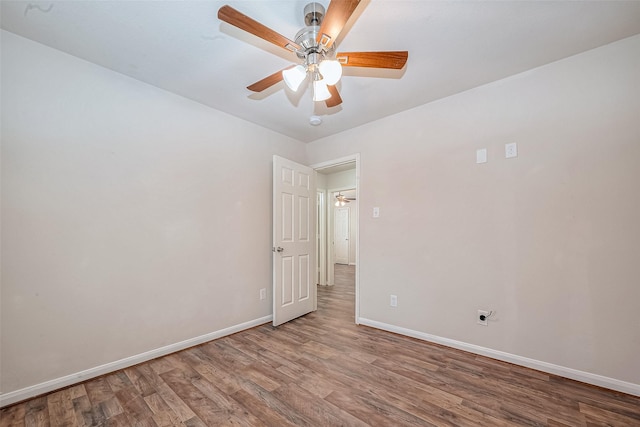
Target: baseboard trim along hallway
574	374
58	383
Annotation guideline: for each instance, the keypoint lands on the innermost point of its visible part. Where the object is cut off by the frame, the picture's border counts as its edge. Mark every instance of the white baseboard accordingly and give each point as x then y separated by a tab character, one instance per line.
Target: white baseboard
574	374
58	383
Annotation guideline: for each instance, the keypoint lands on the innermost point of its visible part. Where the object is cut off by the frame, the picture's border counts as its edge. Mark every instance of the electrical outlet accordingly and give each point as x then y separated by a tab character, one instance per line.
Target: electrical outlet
393	302
483	314
510	150
263	293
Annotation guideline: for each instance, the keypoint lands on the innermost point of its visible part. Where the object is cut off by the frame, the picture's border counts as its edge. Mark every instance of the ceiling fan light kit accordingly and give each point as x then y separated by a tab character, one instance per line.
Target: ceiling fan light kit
320	90
293	77
331	71
315	47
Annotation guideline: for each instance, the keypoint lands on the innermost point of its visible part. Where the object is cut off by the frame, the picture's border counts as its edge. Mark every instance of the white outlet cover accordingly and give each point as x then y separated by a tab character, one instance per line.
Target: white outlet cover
510	150
393	301
484	322
376	212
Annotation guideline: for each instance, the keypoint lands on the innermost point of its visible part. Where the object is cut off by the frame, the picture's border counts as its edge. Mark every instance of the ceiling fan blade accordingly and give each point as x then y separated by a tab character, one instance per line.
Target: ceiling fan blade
268	81
335	97
231	16
388	59
338	13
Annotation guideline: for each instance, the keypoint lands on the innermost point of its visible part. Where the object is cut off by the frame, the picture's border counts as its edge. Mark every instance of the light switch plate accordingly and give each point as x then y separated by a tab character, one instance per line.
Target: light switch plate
481	155
376	212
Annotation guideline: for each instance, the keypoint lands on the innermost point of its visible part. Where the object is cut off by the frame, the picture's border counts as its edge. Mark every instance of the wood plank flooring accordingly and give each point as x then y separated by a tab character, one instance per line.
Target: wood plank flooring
322	370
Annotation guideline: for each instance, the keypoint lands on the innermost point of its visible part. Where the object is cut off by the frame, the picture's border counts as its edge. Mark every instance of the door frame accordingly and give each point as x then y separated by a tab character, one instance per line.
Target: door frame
337	162
321	236
331	253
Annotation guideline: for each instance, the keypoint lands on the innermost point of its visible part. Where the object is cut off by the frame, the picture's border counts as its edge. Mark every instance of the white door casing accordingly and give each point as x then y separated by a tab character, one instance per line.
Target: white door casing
294	240
329	267
341	235
321	237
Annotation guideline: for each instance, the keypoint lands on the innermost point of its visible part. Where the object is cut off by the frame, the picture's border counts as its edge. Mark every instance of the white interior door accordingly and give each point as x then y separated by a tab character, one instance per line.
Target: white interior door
294	258
341	235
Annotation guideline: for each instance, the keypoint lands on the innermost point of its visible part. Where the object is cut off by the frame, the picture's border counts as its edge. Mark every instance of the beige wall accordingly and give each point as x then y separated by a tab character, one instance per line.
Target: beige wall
118	235
128	216
548	240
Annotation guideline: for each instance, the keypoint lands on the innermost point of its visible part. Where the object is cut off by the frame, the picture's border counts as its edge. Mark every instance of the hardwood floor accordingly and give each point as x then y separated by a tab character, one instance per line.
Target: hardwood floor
322	370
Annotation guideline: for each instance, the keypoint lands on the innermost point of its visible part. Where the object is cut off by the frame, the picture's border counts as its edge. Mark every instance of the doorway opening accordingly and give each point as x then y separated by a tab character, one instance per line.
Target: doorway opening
338	226
341	228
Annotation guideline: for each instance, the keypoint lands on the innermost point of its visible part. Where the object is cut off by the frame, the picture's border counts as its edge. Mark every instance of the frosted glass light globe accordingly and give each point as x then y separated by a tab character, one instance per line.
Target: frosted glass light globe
320	91
293	77
331	71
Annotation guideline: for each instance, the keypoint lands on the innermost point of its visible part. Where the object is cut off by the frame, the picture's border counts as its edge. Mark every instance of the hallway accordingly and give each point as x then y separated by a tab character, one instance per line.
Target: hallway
338	301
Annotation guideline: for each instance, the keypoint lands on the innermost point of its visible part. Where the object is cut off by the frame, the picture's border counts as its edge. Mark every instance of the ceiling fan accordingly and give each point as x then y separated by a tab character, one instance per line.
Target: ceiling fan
342	200
315	48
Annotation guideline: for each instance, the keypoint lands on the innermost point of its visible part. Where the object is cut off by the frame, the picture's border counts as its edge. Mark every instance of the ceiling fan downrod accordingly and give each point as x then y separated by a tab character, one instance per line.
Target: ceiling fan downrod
313	14
307	37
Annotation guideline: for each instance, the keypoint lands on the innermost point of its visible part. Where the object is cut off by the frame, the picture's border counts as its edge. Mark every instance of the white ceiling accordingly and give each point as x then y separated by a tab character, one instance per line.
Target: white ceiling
182	47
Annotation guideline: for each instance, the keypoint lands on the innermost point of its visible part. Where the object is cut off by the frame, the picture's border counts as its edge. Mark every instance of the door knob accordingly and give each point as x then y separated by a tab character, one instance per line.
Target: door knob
278	249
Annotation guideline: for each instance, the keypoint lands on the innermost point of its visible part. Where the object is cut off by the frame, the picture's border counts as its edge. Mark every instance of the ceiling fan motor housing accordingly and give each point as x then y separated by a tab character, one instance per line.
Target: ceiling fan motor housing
306	38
